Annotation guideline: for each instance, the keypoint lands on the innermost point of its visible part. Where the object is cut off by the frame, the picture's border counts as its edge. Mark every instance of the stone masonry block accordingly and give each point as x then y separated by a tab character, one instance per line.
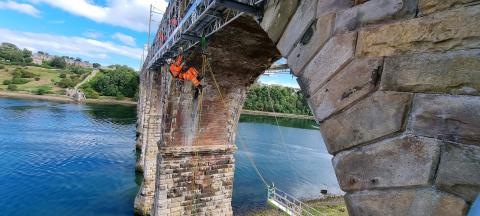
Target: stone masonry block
276	16
430	6
303	17
397	162
459	171
373	11
452	30
412	202
379	115
453	72
327	6
445	117
317	34
334	55
353	82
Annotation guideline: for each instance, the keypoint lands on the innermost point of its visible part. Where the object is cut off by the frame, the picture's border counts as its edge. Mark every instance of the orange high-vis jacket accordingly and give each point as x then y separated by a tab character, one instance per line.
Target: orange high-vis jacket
176	67
191	74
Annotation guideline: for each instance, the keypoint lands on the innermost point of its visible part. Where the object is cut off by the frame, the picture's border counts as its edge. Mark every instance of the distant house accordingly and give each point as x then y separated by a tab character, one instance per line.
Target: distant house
84	64
41	57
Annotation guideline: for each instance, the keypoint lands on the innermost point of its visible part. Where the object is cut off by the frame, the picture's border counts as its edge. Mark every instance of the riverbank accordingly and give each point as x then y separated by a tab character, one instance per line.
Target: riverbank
328	206
285	115
62	98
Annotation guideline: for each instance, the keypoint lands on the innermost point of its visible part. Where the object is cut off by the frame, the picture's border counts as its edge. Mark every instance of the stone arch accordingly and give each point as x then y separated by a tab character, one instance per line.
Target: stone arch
393	84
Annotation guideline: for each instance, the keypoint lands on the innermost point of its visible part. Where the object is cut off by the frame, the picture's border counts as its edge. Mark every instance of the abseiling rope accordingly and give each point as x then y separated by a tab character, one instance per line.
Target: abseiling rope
259	174
284	145
199	108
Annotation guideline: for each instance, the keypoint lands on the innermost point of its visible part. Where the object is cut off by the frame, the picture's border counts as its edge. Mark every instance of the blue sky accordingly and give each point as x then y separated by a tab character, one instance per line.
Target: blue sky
103	31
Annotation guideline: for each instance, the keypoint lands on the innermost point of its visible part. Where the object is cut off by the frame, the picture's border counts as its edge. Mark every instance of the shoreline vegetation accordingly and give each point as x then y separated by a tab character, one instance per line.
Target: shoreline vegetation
48	77
328	206
45	74
62	98
277	114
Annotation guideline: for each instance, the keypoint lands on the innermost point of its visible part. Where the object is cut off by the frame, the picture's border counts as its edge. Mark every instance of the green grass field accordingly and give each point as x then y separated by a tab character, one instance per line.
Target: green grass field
48	78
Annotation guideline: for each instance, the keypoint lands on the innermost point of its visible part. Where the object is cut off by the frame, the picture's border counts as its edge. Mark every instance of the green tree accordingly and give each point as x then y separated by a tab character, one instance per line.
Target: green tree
58	62
27	56
276	98
43	90
12	87
80	70
96	65
11	52
66	83
90	93
122	81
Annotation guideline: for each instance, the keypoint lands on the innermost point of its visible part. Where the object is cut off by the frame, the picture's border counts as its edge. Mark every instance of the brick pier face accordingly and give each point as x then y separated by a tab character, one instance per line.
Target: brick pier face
393	84
192	140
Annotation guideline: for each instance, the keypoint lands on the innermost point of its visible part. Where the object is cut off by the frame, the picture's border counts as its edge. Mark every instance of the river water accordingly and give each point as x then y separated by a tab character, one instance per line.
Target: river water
69	159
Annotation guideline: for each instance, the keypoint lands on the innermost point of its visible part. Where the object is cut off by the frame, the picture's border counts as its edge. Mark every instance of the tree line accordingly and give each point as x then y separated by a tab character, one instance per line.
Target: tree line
121	81
11	53
276	99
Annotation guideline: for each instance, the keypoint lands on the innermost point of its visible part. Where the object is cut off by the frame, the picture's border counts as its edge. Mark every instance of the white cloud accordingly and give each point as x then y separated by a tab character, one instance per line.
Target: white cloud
92	34
125	39
132	14
68	45
291	84
22	8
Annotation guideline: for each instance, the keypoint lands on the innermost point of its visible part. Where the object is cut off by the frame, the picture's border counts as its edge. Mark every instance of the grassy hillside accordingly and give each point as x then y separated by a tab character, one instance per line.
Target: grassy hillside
42	78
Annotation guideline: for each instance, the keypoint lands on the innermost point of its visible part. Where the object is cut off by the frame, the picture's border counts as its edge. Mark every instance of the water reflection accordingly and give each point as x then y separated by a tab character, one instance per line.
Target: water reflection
119	114
69	159
284	122
293	157
66	159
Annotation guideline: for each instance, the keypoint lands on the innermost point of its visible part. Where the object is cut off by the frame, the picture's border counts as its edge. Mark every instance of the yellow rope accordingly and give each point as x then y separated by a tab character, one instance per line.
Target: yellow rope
199	108
206	66
284	146
240	140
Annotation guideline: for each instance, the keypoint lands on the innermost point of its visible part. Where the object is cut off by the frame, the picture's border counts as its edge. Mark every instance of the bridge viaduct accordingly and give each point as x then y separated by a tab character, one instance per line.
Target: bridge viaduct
394	85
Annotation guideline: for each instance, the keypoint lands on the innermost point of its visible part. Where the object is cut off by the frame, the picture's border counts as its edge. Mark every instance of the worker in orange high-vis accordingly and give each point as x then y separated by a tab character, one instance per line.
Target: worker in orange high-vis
191	73
176	66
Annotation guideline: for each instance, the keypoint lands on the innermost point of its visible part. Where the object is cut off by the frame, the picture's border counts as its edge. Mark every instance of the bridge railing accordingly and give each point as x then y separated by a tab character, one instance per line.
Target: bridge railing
290	204
203	18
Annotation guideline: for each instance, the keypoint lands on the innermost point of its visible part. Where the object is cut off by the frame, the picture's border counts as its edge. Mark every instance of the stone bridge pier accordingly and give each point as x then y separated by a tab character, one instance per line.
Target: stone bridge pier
394	85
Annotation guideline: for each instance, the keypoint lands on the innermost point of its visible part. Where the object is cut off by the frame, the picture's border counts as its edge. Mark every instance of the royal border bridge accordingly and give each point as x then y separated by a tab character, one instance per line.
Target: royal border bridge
394	85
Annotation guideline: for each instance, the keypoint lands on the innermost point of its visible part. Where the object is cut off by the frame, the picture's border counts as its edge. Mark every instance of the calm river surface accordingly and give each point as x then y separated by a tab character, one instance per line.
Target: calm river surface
68	159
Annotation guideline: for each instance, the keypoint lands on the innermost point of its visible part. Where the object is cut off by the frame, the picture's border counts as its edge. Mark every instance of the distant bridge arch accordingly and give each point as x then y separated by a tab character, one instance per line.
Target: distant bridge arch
394	85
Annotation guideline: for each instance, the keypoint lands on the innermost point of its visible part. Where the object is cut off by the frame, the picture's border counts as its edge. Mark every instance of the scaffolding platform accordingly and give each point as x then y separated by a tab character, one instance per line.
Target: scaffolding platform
289	204
184	24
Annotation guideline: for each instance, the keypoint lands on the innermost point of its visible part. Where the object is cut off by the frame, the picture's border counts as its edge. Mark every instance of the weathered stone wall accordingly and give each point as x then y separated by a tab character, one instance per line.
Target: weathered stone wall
151	135
395	87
